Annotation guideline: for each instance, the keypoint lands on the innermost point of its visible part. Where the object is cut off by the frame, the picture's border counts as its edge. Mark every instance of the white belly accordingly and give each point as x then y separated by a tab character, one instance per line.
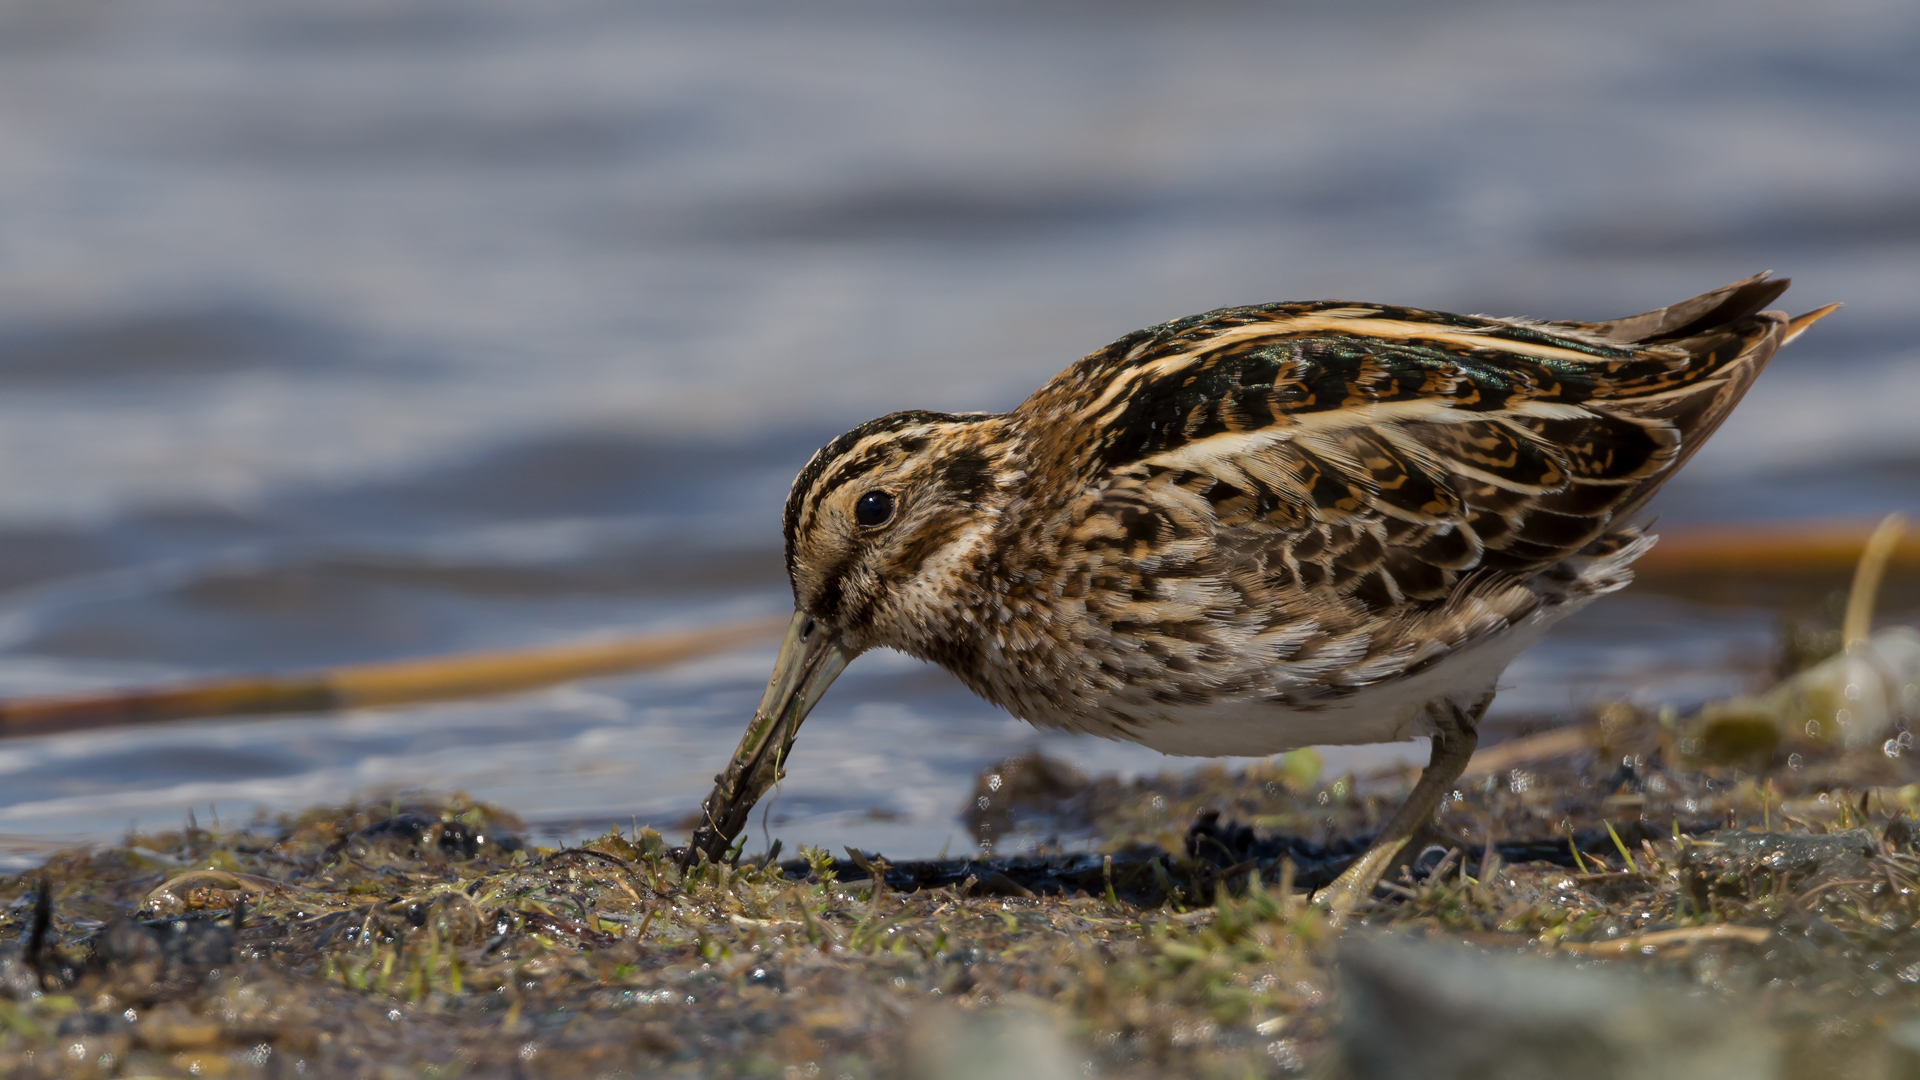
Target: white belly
1393	711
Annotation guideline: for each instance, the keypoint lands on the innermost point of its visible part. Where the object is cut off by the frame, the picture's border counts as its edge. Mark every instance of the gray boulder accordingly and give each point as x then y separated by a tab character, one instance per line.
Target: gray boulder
1414	1009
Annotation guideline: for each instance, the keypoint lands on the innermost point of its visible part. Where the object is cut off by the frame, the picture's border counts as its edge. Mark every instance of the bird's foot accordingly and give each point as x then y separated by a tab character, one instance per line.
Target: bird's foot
1385	861
1353	889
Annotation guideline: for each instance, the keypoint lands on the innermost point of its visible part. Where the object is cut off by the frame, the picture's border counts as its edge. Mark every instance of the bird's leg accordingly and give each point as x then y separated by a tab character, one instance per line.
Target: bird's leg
1453	746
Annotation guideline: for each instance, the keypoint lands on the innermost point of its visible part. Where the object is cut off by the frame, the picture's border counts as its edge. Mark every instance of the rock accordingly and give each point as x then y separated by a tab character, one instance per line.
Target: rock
1439	1012
947	1044
143	953
1903	1051
1851	700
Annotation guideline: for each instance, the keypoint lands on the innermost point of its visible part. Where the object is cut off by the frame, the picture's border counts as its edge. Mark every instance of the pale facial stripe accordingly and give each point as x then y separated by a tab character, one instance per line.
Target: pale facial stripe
841	474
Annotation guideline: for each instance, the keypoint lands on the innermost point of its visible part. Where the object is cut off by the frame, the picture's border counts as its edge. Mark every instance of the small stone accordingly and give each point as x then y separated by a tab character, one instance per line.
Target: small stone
1903	1051
947	1044
1441	1012
135	953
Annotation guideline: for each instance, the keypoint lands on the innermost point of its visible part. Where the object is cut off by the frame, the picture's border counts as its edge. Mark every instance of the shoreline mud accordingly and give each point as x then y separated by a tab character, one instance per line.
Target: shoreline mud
424	938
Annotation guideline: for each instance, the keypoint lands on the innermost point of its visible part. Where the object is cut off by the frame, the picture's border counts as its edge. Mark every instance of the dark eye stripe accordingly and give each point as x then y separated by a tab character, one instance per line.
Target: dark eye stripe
833	592
808	489
854	468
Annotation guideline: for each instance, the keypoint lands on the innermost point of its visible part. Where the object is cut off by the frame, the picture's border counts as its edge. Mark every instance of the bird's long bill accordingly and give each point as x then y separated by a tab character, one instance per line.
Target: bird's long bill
811	657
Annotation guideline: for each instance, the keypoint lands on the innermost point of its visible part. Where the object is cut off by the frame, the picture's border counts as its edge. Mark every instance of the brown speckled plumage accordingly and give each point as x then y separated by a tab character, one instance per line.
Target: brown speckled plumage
1272	526
1290	503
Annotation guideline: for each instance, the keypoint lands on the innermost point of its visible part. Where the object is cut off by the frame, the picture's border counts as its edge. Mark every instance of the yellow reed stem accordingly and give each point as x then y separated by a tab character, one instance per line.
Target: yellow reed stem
1769	548
1867	575
363	685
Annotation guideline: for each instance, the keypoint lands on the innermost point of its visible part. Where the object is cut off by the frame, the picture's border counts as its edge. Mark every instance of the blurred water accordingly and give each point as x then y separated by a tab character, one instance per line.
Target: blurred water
336	331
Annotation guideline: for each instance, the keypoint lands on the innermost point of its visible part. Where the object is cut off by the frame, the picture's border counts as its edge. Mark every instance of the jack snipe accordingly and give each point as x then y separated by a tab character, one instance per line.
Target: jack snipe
1259	528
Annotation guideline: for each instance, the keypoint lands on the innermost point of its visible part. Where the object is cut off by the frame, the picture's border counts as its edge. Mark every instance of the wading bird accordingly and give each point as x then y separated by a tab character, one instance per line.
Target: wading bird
1257	529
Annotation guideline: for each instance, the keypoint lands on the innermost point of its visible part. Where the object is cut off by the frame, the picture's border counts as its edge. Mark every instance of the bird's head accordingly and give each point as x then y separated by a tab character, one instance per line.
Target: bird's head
885	528
881	524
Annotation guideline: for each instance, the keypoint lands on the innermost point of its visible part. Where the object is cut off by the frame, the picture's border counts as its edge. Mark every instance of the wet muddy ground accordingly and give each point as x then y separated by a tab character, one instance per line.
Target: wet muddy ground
424	938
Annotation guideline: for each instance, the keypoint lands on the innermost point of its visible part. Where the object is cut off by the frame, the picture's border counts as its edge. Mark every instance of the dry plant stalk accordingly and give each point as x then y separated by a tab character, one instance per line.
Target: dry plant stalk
367	685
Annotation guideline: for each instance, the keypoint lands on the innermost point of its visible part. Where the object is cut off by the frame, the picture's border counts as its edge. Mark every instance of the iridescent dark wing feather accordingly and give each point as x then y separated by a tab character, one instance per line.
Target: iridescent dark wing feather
1387	453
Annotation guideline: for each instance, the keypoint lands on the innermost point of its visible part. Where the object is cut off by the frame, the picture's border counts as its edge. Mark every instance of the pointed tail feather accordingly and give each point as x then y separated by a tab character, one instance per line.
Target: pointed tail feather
1799	323
1692	317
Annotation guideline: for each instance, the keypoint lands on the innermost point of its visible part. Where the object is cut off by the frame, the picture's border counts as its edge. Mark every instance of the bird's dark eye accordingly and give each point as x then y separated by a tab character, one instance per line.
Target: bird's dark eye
874	509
